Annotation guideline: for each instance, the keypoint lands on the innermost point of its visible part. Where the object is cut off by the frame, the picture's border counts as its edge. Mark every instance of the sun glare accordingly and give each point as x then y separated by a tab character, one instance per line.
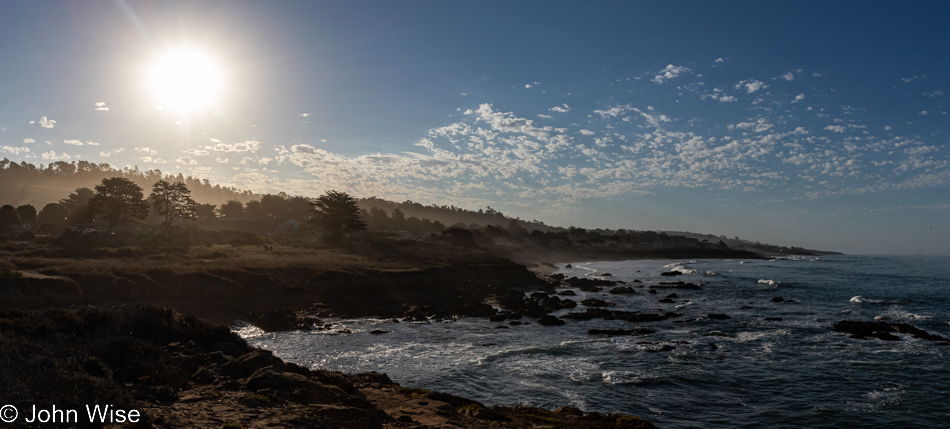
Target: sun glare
186	80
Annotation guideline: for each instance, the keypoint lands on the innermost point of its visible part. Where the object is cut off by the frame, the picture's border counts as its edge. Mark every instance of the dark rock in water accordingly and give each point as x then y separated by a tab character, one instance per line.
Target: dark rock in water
378	332
672	295
651	290
677	285
666	301
557	276
671	274
774	319
568	266
778	299
514	322
589	285
499	317
594	302
636	281
622	290
883	330
280	320
502	327
567	292
535	305
549	320
614	332
606	275
630	316
718	316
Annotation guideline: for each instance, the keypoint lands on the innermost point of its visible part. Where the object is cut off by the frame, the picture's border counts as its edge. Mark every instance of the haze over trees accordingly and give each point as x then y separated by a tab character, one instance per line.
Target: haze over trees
119	201
173	202
336	214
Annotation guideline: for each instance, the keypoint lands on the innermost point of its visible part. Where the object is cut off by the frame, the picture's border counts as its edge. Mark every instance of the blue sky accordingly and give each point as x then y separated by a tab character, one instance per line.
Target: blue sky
796	123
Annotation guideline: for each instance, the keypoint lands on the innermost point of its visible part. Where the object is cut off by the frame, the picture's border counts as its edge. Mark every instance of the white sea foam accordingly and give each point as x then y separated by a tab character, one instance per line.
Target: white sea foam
862	300
769	282
900	313
620	377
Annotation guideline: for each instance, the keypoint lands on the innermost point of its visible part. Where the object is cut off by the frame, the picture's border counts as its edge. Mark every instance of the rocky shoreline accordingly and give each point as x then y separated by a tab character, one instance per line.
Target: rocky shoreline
177	371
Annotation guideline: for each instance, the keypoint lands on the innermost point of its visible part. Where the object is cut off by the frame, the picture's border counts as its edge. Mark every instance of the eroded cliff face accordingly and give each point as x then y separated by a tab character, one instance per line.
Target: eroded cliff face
459	289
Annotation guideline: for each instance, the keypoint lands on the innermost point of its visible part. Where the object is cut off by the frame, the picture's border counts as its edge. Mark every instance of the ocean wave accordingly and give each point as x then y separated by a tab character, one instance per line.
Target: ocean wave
900	313
620	377
769	282
862	300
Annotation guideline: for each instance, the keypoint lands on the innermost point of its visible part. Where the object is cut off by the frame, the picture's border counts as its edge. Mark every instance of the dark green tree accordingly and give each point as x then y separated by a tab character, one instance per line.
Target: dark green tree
337	214
119	200
27	213
231	209
54	213
9	218
206	211
254	209
173	201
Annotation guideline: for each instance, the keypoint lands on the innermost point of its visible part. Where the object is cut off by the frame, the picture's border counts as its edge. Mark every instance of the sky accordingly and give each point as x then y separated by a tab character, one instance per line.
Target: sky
800	123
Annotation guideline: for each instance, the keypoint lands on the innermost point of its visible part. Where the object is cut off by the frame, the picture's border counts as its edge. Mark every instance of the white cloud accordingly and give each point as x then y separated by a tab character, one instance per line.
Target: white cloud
798	98
304	115
923	113
51	155
265	160
564	108
246	146
15	150
542	115
587	132
107	154
222	160
214	140
186	160
29	141
73	142
101	106
92	144
719	60
145	150
727	99
197	152
789	76
751	85
151	160
910	79
45	123
835	128
527	86
670	72
246	160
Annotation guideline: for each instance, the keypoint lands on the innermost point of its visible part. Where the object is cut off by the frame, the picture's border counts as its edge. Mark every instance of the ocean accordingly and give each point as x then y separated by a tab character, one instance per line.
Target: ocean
771	364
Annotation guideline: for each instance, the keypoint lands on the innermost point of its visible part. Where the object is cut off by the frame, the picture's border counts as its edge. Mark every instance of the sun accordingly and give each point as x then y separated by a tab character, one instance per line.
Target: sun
185	79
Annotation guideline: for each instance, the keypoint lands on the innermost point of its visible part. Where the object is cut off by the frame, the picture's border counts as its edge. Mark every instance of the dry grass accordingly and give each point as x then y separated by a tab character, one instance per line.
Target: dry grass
357	255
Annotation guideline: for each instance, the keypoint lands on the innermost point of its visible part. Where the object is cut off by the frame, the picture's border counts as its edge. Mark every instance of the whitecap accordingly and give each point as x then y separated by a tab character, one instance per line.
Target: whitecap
769	282
861	300
620	377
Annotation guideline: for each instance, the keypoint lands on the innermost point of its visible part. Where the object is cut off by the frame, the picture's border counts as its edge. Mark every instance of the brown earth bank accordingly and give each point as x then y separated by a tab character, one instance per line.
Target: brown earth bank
166	370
